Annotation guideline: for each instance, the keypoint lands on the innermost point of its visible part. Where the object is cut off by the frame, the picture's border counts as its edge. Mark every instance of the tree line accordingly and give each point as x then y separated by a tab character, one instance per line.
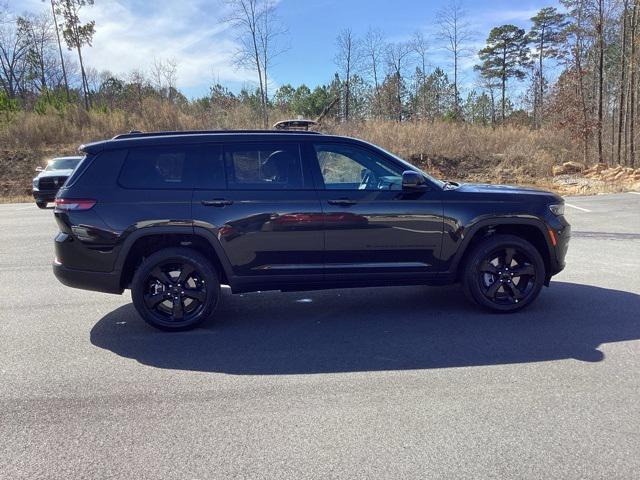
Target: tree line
574	68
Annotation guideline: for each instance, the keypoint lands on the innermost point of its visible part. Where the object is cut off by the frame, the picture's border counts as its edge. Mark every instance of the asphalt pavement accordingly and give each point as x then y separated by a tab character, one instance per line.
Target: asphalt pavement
407	382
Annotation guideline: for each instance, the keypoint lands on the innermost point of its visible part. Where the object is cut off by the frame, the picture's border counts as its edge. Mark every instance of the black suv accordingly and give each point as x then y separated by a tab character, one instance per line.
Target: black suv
173	215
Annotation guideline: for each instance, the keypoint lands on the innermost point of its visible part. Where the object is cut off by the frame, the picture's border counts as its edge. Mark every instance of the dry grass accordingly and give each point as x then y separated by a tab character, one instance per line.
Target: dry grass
461	151
449	150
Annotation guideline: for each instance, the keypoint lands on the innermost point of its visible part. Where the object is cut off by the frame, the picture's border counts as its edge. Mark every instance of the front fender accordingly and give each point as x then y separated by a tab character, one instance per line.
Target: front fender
457	240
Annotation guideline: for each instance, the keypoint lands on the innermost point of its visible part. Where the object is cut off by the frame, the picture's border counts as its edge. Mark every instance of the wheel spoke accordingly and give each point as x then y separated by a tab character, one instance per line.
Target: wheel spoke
186	271
198	295
515	294
178	312
527	269
488	267
493	289
151	300
162	276
508	256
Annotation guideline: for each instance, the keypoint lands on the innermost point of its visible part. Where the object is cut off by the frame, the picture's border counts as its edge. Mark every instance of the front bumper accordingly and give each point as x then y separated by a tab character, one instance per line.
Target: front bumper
107	282
562	233
44	195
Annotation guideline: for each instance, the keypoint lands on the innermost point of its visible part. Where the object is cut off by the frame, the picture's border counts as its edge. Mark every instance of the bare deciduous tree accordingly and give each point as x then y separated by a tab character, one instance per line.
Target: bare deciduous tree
38	31
599	27
348	60
420	46
397	56
373	50
456	34
633	86
62	63
13	53
258	31
164	77
622	86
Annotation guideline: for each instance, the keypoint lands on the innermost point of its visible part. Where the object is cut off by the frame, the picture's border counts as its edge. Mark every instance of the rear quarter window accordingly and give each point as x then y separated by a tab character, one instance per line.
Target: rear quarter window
164	167
79	169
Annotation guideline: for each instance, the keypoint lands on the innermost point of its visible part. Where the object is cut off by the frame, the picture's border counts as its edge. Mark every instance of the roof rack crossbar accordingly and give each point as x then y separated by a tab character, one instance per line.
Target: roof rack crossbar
136	134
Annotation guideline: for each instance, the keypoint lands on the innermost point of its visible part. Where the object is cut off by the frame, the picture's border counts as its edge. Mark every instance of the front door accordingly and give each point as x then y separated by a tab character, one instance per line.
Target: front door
373	227
263	209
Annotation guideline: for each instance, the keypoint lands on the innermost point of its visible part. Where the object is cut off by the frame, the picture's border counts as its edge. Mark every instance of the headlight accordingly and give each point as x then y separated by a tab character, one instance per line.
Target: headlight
34	183
557	209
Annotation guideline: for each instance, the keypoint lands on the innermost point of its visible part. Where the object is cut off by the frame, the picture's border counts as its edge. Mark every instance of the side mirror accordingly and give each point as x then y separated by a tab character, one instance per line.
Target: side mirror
413	181
39	169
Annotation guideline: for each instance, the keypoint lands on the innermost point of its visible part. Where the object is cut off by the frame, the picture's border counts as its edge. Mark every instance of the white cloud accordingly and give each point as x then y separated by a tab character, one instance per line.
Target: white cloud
130	36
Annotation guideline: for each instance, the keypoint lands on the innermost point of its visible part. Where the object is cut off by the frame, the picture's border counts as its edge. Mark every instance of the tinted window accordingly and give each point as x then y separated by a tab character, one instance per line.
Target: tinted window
80	167
160	168
210	168
347	167
263	166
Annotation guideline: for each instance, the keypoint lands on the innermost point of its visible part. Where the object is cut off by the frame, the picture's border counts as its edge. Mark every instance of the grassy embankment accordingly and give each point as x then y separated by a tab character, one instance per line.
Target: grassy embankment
448	150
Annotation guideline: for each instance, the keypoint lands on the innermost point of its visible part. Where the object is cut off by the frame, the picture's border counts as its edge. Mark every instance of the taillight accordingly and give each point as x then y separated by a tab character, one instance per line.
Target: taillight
76	204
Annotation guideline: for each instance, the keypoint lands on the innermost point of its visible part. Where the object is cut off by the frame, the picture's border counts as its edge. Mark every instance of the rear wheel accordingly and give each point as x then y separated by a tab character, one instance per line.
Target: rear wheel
504	273
175	289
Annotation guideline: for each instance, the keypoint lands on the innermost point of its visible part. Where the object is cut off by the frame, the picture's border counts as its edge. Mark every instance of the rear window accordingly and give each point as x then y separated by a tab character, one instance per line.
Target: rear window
160	168
263	166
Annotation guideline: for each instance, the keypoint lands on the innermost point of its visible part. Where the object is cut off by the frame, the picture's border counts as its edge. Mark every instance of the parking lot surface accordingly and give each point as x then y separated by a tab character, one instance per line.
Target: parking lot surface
409	382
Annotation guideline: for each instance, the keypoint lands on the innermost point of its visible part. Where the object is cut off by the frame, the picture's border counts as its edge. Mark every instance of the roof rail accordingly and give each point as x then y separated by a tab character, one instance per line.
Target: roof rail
138	134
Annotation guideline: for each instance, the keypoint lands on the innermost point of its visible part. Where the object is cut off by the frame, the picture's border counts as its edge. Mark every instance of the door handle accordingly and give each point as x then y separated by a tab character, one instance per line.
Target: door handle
217	202
342	202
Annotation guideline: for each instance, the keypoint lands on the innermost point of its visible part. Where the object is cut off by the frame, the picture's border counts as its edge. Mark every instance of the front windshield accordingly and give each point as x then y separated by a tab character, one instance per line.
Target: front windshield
63	164
413	167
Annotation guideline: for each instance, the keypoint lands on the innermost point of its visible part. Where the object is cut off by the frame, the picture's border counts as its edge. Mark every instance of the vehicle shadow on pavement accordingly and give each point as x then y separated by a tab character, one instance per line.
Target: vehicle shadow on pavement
377	329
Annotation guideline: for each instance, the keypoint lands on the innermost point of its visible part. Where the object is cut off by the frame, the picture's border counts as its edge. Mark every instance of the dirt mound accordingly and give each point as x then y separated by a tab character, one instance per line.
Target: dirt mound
599	178
618	173
568	168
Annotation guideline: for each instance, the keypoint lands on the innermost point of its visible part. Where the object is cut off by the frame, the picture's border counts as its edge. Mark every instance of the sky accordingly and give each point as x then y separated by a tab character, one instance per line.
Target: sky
130	34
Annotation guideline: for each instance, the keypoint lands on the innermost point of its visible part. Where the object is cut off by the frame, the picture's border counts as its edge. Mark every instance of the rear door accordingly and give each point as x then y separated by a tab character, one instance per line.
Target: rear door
372	226
262	207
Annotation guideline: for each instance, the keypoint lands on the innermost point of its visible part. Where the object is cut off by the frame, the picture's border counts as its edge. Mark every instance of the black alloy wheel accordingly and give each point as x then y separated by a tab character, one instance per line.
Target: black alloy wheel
175	289
507	276
504	273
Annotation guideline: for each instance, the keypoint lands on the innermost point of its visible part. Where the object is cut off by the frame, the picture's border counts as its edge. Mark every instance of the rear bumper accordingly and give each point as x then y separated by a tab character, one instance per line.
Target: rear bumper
107	282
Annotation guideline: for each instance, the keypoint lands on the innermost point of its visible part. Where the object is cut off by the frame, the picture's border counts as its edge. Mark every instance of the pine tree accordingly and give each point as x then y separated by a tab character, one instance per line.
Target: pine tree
547	37
506	56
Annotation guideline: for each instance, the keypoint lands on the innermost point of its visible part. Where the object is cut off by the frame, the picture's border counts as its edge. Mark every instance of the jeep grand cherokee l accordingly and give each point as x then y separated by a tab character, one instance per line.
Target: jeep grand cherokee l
173	215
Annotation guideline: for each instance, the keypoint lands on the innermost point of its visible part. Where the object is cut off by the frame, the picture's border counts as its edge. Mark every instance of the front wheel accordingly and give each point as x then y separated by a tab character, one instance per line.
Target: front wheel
40	204
504	273
175	289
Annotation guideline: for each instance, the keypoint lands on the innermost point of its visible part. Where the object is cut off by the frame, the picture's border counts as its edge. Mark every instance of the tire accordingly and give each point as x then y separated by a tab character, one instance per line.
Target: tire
41	205
175	289
501	286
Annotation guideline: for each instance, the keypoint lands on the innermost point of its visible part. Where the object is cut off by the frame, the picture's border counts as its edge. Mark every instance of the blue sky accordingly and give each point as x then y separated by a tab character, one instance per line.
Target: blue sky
131	33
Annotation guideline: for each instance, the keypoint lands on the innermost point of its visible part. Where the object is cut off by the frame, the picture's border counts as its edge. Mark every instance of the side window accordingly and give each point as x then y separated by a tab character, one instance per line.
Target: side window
348	167
210	168
263	166
159	168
